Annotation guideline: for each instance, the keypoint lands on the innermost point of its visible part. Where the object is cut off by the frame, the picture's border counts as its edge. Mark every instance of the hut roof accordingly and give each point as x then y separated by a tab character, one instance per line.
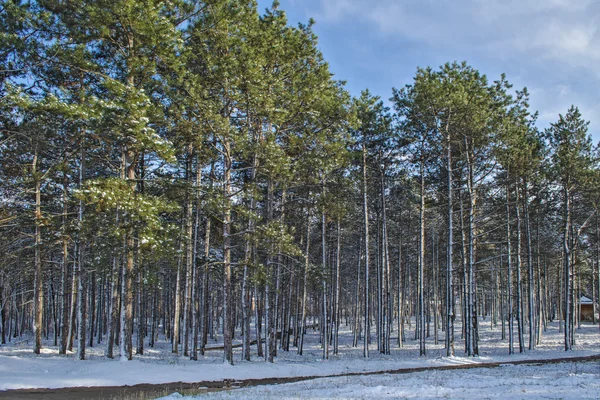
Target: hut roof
585	300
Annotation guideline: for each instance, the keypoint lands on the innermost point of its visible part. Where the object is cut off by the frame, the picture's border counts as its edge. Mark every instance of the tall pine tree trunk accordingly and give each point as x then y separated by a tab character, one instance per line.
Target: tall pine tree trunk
189	251
509	294
92	310
324	319
141	310
227	302
338	280
474	331
64	336
3	307
367	318
400	297
128	270
387	298
305	284
81	298
113	318
530	275
357	310
205	286
519	280
177	310
420	277
195	277
38	292
449	266
567	267
246	293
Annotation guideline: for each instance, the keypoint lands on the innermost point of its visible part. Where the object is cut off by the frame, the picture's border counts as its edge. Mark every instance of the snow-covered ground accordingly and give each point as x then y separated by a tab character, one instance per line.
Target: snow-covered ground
555	381
20	368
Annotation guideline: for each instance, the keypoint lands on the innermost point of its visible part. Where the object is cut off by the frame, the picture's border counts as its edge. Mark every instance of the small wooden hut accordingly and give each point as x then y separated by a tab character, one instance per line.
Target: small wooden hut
587	309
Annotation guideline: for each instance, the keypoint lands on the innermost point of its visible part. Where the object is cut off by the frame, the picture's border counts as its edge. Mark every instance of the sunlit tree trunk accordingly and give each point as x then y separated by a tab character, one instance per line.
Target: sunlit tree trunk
367	332
450	314
64	336
305	285
227	302
420	277
519	280
195	276
38	292
80	250
530	275
509	294
324	323
567	267
206	276
189	251
338	280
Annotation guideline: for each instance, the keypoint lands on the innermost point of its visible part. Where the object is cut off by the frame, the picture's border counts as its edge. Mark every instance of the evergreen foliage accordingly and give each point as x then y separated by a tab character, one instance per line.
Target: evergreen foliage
190	170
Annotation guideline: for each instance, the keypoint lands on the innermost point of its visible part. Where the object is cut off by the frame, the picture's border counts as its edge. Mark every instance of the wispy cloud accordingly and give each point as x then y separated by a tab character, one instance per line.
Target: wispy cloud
553	44
554	28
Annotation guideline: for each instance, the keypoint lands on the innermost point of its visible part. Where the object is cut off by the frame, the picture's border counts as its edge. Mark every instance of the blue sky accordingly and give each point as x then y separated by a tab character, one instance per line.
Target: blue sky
552	47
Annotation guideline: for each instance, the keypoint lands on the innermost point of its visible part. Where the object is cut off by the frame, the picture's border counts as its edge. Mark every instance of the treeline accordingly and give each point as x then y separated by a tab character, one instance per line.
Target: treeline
191	170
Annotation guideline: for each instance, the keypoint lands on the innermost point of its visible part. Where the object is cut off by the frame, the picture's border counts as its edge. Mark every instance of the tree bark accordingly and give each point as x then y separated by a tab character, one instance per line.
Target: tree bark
509	294
64	336
420	277
227	303
205	284
338	280
367	332
189	247
177	310
450	315
38	295
114	302
195	275
530	275
567	267
474	331
305	288
324	324
519	280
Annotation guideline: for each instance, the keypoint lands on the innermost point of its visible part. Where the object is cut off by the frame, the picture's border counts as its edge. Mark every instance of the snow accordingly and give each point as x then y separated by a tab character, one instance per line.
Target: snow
556	381
20	368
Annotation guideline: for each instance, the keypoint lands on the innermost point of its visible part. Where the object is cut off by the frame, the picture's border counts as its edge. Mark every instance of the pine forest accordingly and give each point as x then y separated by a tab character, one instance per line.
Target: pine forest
191	172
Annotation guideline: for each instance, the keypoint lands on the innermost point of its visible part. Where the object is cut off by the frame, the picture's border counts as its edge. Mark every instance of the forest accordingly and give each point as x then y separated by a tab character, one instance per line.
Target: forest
191	171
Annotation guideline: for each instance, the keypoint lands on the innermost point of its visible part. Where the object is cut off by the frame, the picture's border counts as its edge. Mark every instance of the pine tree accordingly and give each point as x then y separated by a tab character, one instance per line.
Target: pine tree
571	156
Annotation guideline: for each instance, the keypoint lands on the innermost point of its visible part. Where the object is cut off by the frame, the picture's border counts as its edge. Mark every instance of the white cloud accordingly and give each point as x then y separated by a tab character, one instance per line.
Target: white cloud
553	29
337	10
553	46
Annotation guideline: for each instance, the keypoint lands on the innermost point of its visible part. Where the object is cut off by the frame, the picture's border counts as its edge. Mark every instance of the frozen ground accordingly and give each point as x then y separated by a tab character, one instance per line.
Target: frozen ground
20	368
555	381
